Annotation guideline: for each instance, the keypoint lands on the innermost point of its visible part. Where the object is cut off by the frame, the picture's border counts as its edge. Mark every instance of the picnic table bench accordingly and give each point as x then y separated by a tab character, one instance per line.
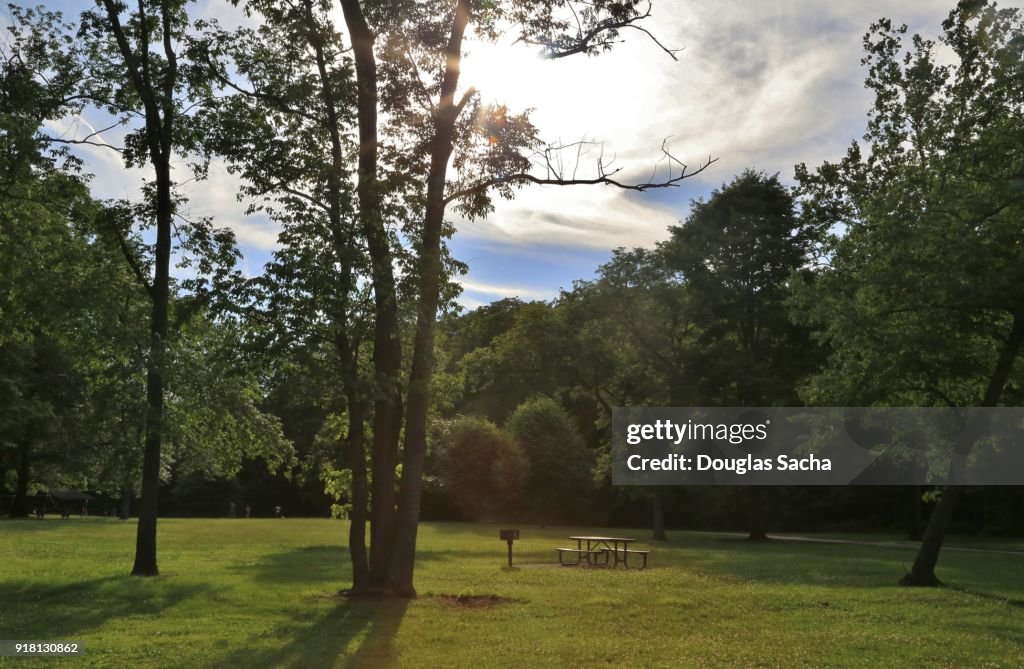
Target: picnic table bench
609	547
580	554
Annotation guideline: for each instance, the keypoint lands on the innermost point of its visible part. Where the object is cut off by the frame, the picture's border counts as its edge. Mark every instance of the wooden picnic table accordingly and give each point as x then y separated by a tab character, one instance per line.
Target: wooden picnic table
610	544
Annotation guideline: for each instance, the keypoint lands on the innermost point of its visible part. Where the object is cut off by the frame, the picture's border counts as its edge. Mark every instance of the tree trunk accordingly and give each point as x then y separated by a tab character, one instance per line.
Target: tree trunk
19	506
145	538
387	348
346	254
356	448
923	571
400	573
157	98
126	502
915	515
360	494
755	514
658	522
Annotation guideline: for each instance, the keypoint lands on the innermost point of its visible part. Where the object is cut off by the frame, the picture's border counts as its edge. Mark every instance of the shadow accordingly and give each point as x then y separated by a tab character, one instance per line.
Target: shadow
1009	601
786	563
64	611
378	648
310	564
331	564
359	631
53	523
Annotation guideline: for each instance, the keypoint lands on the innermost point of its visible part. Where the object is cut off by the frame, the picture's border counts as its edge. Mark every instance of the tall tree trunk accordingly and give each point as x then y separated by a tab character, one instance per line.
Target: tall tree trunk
19	506
400	574
346	253
923	571
658	522
158	102
387	348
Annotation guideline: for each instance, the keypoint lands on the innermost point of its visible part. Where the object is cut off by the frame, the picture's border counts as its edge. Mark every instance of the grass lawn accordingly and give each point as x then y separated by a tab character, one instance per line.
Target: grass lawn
261	593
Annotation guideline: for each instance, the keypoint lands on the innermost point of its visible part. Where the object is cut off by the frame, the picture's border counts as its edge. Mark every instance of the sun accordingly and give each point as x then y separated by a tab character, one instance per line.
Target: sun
512	74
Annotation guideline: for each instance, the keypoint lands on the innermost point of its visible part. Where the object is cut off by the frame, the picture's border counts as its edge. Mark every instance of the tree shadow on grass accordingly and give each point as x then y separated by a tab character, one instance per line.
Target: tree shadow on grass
331	564
1009	601
824	565
309	564
355	633
783	563
34	610
53	523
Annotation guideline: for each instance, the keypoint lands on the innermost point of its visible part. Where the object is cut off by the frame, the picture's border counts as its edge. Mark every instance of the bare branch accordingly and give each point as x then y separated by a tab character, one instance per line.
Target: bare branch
56	140
550	161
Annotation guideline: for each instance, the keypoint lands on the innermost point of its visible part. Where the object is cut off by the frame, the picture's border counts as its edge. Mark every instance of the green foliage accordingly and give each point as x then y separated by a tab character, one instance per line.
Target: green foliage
739	254
559	483
214	409
485	469
922	291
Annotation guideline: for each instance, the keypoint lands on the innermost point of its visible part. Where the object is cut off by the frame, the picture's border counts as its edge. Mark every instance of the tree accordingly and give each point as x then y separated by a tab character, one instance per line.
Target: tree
55	286
285	128
559	480
406	61
922	299
131	66
740	253
484	469
487	141
125	65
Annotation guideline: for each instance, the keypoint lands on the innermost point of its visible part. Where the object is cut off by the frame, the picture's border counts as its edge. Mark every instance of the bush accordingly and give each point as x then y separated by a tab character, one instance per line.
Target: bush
559	481
485	469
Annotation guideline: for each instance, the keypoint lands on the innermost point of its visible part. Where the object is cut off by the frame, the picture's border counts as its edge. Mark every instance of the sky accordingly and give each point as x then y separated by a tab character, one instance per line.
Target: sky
756	84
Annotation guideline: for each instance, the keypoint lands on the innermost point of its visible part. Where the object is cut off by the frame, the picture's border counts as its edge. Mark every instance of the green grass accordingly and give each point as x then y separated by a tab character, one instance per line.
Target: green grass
261	593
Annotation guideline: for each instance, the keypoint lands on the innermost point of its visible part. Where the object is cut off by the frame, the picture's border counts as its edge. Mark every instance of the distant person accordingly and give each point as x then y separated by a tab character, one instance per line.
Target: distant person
277	511
231	509
248	510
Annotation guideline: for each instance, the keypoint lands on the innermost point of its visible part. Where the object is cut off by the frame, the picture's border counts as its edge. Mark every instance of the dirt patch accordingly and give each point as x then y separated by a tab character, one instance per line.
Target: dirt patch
473	601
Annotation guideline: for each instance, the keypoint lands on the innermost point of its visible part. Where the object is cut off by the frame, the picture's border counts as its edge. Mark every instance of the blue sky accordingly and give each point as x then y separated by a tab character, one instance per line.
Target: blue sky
762	85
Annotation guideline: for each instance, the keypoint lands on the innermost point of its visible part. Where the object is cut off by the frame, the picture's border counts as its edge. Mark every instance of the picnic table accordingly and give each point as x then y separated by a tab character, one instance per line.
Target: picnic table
613	549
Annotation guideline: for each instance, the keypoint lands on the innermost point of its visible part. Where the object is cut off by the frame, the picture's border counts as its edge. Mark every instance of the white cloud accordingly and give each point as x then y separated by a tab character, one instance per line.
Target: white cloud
594	217
499	291
762	85
217	197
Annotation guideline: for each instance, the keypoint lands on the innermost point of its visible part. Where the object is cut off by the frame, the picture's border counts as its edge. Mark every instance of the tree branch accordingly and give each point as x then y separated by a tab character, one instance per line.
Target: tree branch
586	42
129	255
604	176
